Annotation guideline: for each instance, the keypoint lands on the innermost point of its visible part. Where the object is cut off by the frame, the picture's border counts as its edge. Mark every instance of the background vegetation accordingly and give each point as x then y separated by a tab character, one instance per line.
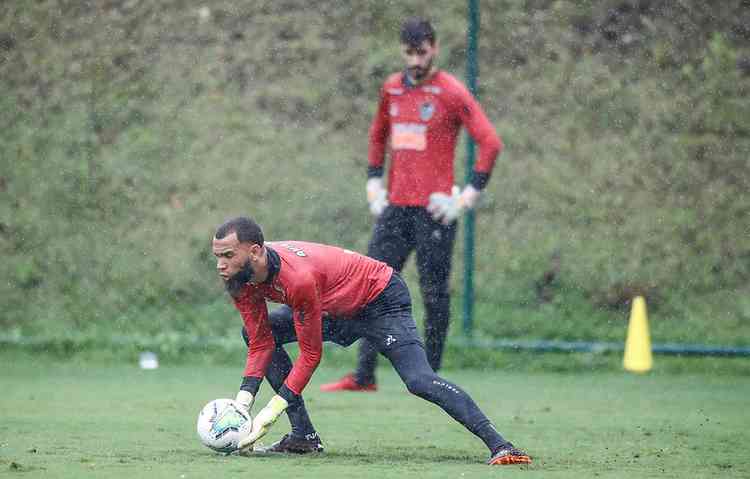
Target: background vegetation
129	129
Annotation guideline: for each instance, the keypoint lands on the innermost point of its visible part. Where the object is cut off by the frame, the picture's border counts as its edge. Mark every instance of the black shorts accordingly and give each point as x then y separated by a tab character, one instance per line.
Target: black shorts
386	321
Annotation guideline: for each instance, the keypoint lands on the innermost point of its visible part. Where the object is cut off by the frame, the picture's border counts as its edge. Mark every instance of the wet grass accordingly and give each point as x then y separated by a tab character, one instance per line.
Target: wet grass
84	417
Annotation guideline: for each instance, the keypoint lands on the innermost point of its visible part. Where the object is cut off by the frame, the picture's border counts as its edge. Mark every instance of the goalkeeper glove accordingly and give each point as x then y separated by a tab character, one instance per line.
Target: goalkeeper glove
263	422
377	196
447	209
245	399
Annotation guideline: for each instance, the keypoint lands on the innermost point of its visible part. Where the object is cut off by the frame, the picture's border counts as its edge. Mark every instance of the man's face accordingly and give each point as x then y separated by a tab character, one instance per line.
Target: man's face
418	59
234	260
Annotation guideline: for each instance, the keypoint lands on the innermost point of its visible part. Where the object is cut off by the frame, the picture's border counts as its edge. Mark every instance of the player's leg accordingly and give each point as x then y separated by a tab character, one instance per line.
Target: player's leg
388	322
434	245
411	365
303	437
392	240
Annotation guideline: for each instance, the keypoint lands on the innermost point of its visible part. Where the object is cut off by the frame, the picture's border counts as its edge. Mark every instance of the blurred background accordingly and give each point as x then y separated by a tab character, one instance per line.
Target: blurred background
130	129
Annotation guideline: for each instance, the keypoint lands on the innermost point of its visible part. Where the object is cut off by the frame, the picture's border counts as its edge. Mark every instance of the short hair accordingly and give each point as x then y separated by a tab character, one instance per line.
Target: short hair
416	30
248	231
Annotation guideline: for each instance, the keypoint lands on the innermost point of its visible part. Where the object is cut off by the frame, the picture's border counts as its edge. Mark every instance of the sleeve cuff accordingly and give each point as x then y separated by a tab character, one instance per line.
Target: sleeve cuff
375	171
251	384
479	180
289	396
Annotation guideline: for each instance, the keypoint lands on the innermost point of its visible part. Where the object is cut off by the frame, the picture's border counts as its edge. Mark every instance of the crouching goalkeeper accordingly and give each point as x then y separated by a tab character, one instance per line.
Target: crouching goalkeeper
363	298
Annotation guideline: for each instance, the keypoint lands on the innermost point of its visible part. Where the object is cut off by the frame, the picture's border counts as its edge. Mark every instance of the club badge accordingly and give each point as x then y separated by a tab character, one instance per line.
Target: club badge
426	111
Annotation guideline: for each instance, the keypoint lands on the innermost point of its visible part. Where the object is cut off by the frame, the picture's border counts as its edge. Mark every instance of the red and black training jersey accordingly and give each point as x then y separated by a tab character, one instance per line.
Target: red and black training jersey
419	126
311	278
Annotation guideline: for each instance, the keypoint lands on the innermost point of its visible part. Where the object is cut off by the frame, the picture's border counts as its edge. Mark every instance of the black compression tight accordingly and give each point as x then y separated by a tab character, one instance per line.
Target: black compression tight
411	365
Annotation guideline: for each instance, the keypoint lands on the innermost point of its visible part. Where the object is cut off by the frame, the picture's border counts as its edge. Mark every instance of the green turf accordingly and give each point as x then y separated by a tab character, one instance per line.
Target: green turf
79	419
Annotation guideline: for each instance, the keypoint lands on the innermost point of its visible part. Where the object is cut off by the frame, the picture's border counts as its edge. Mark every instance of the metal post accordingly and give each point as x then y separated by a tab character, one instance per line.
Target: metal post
472	72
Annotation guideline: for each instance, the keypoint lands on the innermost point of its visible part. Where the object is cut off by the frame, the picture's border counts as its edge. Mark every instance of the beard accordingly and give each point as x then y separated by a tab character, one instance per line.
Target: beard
420	73
235	283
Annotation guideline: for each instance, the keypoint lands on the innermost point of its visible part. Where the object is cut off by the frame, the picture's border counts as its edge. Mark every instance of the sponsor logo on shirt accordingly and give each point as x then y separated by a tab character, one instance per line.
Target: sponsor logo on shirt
298	251
394	109
409	136
432	89
395	91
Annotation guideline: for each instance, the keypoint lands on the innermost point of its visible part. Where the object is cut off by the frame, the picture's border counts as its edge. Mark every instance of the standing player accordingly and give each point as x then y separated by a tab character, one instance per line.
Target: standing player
362	297
420	115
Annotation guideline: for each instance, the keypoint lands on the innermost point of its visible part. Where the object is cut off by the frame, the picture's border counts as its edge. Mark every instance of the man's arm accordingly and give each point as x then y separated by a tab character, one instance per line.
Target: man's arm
483	133
447	208
378	138
305	301
254	313
377	196
308	312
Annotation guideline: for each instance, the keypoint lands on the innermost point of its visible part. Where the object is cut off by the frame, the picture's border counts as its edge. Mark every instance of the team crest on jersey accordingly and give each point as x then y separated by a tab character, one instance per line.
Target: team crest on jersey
394	109
426	111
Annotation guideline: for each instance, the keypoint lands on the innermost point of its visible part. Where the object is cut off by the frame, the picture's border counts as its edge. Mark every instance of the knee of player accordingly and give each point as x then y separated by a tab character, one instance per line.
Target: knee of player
418	384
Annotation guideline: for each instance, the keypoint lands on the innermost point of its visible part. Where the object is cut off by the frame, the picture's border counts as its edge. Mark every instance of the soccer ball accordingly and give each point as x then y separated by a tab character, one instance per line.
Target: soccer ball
221	425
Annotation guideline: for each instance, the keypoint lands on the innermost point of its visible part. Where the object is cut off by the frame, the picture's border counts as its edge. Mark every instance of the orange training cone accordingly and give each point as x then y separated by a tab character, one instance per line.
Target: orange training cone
637	357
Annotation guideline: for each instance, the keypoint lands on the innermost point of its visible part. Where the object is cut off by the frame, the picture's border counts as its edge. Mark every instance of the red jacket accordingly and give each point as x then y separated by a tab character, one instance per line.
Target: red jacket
420	126
311	278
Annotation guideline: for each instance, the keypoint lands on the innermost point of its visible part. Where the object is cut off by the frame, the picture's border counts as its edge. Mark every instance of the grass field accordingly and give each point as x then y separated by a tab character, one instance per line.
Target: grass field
108	420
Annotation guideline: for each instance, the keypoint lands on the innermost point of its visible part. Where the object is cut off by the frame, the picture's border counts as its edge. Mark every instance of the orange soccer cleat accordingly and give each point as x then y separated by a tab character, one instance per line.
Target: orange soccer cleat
348	383
507	455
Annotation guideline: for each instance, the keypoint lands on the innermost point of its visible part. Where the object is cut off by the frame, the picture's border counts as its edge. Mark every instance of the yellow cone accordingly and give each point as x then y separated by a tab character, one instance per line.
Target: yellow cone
638	343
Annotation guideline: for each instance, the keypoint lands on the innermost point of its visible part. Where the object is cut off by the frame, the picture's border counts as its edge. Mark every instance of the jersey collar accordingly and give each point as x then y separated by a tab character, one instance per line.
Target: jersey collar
274	264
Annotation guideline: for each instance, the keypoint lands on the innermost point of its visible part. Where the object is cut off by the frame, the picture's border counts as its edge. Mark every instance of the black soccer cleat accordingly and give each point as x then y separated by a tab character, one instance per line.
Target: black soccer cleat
508	454
293	445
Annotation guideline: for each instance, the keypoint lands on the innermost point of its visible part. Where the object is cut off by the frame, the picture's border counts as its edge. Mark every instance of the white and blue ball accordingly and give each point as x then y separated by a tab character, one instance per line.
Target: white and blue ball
222	423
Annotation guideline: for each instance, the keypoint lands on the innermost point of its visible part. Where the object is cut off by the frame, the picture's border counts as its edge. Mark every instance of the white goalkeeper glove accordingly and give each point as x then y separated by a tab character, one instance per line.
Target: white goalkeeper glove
245	399
447	209
263	422
377	196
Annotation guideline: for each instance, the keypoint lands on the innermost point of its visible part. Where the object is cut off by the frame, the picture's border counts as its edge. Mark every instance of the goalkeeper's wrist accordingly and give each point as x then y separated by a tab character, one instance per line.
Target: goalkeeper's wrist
288	395
251	384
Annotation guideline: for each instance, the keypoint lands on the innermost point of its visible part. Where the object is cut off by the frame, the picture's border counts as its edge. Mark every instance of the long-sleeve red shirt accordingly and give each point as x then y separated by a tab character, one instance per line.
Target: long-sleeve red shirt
419	126
312	278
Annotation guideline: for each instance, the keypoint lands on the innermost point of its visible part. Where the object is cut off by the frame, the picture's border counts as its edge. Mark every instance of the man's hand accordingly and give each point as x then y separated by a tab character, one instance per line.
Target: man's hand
263	422
245	399
447	209
377	196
